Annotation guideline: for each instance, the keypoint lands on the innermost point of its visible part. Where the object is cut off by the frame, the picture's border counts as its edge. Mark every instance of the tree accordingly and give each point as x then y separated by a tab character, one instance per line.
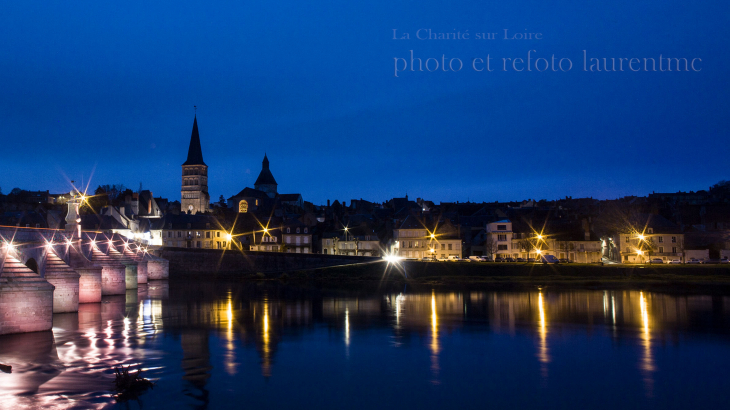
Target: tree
16	191
490	246
112	191
222	202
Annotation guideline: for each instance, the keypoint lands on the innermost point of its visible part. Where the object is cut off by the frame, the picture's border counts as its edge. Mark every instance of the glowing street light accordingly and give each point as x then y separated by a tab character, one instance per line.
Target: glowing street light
539	236
49	245
9	246
433	236
641	237
538	251
229	237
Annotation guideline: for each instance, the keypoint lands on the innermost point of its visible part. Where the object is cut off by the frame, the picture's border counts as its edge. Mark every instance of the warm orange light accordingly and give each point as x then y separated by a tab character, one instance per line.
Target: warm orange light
229	237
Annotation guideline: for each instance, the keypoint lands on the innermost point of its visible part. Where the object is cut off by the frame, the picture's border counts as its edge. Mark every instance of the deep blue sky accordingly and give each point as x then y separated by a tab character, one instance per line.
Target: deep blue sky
111	87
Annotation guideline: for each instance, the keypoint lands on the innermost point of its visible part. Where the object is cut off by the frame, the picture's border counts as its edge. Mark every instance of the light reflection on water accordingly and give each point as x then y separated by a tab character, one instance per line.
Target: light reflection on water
209	344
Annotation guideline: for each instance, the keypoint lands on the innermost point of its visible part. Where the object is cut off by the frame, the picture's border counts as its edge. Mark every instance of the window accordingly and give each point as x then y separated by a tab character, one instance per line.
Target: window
197	244
305	231
450	247
651	230
306	239
169	234
502	237
288	240
207	234
274	238
297	230
661	239
674	249
257	202
443	246
501	247
243	206
674	239
661	249
501	227
218	234
179	234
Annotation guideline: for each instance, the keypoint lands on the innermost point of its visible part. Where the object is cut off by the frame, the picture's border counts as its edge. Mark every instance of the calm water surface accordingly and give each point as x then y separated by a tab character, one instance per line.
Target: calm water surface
219	345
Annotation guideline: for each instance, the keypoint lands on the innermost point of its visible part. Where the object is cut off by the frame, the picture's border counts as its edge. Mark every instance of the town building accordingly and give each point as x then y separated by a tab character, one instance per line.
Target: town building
498	240
415	240
190	231
356	241
297	237
657	237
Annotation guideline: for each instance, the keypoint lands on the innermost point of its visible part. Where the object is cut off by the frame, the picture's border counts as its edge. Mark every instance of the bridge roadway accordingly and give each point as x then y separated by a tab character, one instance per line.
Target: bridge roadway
46	271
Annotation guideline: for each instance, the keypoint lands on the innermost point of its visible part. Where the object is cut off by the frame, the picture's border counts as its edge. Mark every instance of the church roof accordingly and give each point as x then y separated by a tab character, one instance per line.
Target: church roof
195	153
265	177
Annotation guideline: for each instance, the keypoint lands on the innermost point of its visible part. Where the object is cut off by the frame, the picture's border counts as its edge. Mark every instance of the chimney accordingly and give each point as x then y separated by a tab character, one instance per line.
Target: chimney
328	203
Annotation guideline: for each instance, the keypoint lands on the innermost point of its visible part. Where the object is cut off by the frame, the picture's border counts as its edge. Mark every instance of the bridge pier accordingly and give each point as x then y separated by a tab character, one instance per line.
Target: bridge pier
90	276
66	282
26	299
157	268
112	273
130	266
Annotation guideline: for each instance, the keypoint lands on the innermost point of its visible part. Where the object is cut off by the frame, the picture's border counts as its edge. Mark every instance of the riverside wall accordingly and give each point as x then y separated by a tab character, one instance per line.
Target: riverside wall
210	261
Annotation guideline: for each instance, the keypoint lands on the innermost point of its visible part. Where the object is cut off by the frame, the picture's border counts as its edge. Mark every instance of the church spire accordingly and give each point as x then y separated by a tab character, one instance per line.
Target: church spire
195	153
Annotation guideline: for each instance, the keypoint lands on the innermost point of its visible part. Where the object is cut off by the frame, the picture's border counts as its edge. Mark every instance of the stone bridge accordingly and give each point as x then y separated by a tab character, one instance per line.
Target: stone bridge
46	271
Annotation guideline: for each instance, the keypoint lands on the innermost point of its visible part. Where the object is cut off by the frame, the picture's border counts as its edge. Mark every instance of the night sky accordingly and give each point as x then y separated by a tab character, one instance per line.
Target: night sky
110	88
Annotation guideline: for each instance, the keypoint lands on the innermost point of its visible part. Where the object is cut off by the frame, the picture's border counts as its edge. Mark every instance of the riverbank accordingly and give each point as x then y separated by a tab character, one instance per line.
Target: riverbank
677	278
497	276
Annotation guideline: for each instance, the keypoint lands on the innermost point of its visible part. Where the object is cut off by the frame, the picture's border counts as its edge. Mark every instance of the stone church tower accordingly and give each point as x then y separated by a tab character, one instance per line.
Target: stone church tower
266	182
194	195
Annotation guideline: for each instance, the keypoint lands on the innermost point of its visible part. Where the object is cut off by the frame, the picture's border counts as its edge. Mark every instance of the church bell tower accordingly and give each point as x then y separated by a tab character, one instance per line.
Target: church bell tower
194	193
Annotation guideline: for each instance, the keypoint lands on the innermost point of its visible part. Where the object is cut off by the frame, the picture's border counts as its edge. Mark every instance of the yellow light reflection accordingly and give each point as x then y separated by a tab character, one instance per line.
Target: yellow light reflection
230	361
435	348
266	365
647	361
543	354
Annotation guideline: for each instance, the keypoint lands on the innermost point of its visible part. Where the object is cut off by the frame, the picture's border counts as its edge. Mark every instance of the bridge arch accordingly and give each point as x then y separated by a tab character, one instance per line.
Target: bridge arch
32	264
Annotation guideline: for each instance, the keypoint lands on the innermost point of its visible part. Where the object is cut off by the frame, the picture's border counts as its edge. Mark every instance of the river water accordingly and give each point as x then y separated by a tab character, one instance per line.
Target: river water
268	346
